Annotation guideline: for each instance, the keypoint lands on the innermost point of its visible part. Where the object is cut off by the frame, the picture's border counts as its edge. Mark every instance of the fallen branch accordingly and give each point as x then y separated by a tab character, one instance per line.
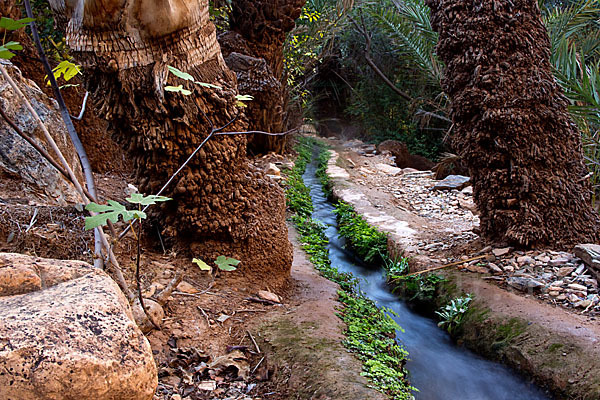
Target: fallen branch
254	342
443	266
162	297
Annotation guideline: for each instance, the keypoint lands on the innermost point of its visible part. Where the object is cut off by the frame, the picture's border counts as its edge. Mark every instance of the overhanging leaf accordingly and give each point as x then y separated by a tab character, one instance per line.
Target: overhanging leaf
180	74
208	85
111	212
226	263
13	46
11	25
137	198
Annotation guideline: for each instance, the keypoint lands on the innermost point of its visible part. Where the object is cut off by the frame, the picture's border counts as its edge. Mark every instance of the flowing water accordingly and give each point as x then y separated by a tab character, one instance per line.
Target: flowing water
438	368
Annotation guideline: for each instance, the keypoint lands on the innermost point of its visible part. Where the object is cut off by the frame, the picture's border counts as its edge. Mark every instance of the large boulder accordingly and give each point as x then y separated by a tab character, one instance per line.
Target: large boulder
67	332
21	166
403	158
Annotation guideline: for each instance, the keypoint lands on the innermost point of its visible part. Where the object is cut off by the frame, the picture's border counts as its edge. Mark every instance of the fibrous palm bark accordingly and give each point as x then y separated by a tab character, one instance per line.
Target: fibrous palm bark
258	32
512	126
221	205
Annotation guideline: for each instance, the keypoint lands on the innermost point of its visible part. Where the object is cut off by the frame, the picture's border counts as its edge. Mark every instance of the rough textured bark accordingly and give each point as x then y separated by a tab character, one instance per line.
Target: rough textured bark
258	32
221	206
512	127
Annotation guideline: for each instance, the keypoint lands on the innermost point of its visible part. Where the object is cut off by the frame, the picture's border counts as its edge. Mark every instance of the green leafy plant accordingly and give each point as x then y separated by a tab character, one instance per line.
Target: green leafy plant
113	210
452	314
240	98
371	335
395	266
223	263
9	24
368	242
420	288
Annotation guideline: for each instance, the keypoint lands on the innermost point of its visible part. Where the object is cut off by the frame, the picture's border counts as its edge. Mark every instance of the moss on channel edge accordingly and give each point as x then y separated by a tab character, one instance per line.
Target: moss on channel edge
370	330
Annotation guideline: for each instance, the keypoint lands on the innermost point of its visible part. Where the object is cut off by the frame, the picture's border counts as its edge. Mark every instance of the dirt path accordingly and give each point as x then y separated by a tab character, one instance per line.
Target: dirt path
304	341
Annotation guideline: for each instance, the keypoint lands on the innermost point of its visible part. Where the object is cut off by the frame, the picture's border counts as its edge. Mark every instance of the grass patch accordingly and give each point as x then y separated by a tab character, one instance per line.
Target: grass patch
367	242
371	331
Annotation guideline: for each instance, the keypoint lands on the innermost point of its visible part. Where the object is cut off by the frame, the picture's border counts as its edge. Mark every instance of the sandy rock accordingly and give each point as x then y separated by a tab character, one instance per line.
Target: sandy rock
467	190
525	260
389	170
35	177
564	271
186	287
16	278
494	268
155	311
263	294
273	170
74	337
501	252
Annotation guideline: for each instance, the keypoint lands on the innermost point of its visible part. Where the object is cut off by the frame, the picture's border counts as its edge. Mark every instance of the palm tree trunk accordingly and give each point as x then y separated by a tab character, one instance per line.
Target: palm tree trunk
512	126
222	205
260	29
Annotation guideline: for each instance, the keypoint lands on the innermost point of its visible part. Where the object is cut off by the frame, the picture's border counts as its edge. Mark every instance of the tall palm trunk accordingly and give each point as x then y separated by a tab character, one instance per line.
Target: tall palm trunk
512	127
258	30
221	204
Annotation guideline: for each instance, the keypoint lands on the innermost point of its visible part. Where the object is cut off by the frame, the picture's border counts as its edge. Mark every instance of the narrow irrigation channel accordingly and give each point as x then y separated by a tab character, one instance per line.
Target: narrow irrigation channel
438	368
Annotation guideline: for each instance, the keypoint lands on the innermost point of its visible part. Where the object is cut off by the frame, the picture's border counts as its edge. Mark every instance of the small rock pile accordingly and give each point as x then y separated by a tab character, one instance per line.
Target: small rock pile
558	277
453	206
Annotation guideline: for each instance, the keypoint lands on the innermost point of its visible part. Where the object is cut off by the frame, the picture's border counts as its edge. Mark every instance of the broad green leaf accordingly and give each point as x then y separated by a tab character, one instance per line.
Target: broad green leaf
5	54
208	85
137	198
202	265
226	263
181	74
11	25
178	89
13	46
111	212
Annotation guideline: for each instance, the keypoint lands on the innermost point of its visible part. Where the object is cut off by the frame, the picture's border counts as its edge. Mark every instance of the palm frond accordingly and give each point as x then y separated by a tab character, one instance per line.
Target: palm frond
407	24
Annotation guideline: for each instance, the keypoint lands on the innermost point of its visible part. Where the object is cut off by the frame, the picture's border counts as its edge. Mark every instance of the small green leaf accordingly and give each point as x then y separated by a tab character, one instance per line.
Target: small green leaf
240	98
137	198
226	263
178	89
244	97
208	85
180	74
202	265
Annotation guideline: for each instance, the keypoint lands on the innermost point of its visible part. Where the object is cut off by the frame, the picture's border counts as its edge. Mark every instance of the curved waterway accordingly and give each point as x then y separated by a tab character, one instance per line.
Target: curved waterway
438	368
